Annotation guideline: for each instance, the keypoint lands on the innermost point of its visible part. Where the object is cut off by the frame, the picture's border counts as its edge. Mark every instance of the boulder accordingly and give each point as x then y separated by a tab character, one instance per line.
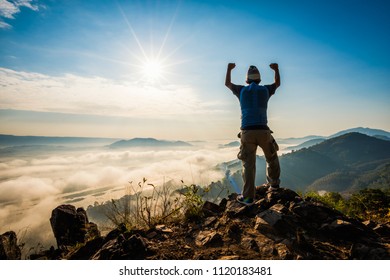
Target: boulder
121	248
9	249
208	238
344	230
361	251
71	226
211	209
88	250
383	230
275	219
281	195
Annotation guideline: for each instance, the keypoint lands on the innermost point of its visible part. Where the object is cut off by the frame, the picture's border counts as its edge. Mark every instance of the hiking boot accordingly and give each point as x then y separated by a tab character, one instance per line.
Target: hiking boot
245	200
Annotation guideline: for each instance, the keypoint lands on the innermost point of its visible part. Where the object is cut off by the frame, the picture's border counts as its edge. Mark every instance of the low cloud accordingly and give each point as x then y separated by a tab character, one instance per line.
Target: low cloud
31	187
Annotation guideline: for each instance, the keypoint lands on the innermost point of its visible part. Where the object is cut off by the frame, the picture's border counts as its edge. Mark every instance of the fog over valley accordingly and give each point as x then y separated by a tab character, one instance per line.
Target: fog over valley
33	182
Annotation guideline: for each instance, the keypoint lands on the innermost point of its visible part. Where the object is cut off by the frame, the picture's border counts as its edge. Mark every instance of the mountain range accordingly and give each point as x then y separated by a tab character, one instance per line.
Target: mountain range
363	130
344	163
39	142
13	140
147	142
312	140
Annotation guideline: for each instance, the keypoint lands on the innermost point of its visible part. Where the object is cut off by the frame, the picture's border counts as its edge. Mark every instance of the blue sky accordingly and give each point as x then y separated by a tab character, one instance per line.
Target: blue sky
156	68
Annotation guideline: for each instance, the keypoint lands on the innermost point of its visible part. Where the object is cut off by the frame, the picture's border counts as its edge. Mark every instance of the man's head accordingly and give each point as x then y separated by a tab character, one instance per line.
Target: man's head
253	75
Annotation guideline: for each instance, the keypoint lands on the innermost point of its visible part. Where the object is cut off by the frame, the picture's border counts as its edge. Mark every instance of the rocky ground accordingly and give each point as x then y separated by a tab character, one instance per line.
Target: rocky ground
280	225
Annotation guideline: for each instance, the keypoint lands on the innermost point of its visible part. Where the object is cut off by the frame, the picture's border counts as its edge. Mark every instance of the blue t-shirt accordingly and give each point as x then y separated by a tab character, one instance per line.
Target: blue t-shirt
253	102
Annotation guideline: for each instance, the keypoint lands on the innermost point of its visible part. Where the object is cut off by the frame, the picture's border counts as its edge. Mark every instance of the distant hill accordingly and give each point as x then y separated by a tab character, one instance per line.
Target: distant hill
336	164
307	144
307	141
298	140
382	137
355	179
13	140
354	148
363	130
147	142
230	145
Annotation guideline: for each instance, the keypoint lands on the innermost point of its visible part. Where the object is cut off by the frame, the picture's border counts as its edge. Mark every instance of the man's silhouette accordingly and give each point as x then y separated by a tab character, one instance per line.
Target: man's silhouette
254	129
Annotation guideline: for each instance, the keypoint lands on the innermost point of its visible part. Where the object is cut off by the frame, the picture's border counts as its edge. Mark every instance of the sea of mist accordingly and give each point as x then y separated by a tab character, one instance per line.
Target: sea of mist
36	179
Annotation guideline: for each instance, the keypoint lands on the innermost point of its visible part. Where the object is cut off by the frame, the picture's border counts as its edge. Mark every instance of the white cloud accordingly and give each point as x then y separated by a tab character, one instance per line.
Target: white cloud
8	9
31	187
96	96
26	188
4	25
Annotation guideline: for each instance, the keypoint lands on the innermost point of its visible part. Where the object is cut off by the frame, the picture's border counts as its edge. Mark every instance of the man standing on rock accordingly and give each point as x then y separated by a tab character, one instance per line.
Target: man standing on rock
254	130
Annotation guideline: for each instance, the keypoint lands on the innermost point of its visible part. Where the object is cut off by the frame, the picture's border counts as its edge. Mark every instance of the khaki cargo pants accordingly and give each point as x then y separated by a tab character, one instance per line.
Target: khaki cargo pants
250	139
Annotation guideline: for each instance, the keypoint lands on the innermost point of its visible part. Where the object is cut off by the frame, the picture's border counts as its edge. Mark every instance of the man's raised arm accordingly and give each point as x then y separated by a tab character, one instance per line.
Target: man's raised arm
275	67
228	79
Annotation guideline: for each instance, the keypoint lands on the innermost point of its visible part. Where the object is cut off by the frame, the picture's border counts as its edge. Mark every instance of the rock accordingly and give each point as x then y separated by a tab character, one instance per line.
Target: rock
210	221
123	249
51	254
250	244
222	204
361	251
342	229
9	249
383	230
121	228
208	238
280	225
280	208
106	252
211	209
271	217
281	196
233	230
273	221
314	215
283	252
235	209
370	224
88	250
233	257
151	234
71	226
264	227
163	228
136	244
261	190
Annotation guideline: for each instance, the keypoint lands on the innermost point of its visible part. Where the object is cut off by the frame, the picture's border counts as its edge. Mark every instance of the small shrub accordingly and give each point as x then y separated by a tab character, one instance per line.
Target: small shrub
367	204
192	203
370	204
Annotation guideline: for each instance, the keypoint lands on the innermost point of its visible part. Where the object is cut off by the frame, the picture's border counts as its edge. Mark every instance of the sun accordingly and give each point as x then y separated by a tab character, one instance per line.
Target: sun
156	64
153	69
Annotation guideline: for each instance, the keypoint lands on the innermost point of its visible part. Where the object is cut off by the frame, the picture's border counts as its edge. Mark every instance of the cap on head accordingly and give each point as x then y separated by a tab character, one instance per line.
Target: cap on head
253	75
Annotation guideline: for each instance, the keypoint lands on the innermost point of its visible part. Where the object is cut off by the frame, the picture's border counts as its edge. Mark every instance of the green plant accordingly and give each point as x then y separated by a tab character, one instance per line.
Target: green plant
370	204
144	205
367	204
192	203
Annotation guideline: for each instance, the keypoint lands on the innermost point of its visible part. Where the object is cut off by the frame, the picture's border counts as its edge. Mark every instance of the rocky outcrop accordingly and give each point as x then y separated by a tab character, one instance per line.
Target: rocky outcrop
9	249
280	225
71	226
